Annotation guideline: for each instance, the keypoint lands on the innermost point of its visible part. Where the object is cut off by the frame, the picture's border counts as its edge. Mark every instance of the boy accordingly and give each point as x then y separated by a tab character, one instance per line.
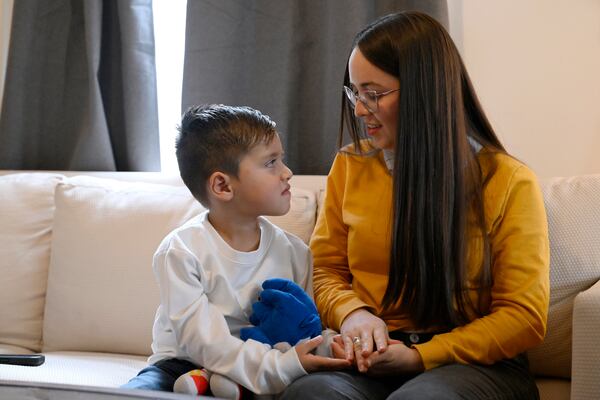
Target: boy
210	270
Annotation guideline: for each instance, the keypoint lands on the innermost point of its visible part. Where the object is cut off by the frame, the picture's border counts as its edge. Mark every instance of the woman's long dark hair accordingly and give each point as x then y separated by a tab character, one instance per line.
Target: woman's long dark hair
437	180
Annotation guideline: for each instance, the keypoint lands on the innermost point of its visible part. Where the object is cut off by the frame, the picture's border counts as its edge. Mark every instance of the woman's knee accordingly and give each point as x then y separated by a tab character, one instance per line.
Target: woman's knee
457	381
307	387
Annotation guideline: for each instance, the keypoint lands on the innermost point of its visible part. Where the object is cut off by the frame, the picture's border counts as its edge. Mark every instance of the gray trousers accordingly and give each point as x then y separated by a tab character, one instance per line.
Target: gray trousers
507	379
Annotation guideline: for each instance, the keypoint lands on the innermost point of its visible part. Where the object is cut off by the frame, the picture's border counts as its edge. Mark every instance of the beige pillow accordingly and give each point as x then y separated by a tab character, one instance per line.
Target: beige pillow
101	294
26	211
573	209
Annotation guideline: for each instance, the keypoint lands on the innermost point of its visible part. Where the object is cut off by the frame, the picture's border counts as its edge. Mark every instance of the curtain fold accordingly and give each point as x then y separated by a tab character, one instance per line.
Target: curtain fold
285	58
80	89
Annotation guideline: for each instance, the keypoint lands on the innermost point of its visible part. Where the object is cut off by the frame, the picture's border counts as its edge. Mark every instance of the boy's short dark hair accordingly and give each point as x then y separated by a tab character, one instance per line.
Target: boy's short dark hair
215	137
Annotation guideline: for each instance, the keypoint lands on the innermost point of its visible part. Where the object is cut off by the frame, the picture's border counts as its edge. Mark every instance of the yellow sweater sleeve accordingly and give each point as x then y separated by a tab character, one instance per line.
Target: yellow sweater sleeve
520	270
334	295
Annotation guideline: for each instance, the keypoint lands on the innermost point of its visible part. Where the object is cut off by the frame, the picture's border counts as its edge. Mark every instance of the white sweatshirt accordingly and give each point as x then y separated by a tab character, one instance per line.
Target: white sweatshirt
207	290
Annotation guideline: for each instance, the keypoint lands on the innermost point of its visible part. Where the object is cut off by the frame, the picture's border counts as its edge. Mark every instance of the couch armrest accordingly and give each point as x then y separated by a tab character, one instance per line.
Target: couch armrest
586	352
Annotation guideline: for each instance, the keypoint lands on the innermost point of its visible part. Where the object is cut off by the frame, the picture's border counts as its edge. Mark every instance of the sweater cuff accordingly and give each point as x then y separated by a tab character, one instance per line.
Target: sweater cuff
293	366
433	354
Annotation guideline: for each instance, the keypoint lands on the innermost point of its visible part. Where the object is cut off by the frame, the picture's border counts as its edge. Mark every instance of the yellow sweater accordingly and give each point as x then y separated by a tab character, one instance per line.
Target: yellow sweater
351	245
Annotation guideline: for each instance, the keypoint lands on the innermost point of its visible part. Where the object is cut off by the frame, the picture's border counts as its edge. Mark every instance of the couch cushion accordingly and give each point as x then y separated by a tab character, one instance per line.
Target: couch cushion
101	291
26	211
73	368
573	209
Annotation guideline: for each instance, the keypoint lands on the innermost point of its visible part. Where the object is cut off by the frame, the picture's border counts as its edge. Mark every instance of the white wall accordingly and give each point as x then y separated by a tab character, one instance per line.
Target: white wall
5	19
536	67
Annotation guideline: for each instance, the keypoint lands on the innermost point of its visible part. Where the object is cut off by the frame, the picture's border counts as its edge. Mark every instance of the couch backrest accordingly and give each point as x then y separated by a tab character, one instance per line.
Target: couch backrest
91	239
573	210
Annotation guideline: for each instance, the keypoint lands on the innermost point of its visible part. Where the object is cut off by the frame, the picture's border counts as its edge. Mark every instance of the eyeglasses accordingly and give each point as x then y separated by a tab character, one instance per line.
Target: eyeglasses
369	98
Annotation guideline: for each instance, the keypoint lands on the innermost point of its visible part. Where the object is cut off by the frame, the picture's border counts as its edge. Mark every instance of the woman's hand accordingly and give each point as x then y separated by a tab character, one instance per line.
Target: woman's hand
398	359
362	333
313	363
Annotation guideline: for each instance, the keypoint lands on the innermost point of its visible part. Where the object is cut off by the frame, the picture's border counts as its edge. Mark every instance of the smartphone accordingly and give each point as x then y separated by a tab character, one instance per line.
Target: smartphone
29	360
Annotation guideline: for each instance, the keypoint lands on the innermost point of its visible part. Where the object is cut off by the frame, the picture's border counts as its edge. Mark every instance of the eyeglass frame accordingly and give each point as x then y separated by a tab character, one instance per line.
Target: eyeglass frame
354	97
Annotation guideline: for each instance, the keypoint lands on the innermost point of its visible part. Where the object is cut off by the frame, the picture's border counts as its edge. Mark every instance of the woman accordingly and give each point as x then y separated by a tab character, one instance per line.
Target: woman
440	297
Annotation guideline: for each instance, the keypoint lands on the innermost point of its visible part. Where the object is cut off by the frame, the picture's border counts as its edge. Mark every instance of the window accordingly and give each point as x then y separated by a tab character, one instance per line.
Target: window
169	37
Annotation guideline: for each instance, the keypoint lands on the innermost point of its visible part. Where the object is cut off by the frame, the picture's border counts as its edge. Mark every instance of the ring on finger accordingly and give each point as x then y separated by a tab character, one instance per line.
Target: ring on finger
356	340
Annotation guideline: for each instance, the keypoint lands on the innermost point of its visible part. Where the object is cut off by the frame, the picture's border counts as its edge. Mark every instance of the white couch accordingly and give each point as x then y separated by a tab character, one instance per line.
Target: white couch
76	279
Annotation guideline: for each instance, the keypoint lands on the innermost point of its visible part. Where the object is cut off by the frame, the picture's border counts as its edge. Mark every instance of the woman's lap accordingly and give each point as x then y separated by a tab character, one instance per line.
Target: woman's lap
508	379
337	385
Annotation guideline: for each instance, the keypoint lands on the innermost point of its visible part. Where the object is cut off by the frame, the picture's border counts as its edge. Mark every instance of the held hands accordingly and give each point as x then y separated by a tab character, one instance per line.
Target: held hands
397	359
370	330
364	341
284	313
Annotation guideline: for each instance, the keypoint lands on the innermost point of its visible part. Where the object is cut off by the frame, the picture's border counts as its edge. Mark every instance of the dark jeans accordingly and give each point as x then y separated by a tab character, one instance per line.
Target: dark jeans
507	379
161	375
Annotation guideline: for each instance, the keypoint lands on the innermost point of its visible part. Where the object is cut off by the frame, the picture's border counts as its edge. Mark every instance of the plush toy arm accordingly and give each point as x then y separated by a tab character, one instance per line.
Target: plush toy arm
260	311
255	333
287	286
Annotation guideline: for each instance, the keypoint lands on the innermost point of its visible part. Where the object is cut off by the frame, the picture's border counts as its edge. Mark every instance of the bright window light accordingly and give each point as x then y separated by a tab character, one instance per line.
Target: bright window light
169	37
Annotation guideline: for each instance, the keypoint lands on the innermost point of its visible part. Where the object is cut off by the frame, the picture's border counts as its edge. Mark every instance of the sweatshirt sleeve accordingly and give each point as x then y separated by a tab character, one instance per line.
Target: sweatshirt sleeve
202	331
304	267
520	288
334	296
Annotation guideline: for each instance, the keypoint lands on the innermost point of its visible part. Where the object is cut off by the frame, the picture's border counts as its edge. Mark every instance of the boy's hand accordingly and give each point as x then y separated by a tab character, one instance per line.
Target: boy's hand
337	347
313	363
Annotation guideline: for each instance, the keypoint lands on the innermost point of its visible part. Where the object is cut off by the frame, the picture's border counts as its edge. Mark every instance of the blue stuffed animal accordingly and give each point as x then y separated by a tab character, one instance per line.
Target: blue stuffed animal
284	313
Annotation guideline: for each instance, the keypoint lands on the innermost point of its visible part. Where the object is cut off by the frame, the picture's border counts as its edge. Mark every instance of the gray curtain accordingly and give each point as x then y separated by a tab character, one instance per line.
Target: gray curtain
286	58
80	89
